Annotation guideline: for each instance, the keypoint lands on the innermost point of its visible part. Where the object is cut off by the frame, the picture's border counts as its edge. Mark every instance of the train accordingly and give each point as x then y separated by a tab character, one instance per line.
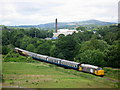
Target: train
64	63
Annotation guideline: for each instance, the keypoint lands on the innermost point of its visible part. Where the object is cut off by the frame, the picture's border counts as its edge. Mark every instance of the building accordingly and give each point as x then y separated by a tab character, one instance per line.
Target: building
64	31
61	31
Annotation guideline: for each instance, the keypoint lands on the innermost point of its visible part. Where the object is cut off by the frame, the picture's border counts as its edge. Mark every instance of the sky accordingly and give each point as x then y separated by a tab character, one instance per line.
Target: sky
34	12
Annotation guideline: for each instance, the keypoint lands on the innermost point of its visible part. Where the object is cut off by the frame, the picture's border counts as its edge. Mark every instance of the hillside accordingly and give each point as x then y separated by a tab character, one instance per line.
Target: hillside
69	24
43	75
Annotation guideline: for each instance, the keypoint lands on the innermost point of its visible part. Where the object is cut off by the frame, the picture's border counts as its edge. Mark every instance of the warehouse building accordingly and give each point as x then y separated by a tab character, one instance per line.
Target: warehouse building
64	31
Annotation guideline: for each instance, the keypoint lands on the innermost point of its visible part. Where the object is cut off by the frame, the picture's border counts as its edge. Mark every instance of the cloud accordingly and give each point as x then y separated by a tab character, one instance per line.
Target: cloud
20	12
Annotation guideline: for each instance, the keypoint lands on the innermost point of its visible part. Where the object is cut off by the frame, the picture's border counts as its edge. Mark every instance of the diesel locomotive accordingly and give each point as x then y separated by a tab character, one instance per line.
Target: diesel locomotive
65	63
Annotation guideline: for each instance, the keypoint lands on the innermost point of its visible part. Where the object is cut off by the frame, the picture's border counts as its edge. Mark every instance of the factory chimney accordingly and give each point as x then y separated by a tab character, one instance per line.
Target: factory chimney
56	25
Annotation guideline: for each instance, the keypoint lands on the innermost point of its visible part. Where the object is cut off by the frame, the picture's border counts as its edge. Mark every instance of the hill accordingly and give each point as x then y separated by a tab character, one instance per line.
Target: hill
69	24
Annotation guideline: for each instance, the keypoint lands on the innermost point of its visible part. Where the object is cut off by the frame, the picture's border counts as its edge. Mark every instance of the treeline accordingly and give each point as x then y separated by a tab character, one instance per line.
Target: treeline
100	47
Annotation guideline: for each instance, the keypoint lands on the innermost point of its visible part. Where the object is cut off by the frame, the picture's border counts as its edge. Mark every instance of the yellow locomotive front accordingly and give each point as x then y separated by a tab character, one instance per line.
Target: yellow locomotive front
99	72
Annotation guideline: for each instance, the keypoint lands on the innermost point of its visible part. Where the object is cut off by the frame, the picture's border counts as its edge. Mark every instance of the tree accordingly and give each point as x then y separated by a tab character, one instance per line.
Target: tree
61	35
80	28
30	47
94	57
110	37
92	52
49	33
82	36
5	37
94	44
61	56
44	48
113	55
53	51
66	46
0	49
5	50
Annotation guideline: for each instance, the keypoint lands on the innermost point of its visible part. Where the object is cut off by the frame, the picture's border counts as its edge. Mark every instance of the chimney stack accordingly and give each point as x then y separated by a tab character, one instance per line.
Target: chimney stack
56	25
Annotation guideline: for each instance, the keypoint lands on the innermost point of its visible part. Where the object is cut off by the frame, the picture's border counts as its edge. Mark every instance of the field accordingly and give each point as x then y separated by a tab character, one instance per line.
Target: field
44	75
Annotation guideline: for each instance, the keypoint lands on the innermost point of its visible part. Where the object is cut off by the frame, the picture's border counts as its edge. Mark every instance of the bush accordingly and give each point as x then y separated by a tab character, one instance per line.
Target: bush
16	57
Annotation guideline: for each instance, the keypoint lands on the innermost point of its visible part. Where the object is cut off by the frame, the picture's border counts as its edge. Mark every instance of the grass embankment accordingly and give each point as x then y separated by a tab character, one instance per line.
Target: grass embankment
44	75
112	73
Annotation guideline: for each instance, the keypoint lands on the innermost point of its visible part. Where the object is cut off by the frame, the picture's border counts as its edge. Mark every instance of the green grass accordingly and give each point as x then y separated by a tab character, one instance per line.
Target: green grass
112	73
44	75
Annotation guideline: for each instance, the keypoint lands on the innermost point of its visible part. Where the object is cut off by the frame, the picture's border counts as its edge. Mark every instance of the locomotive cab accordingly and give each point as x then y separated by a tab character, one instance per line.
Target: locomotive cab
99	71
91	69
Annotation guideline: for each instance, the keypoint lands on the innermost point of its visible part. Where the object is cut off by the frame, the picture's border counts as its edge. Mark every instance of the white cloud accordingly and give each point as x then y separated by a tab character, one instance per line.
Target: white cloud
20	12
